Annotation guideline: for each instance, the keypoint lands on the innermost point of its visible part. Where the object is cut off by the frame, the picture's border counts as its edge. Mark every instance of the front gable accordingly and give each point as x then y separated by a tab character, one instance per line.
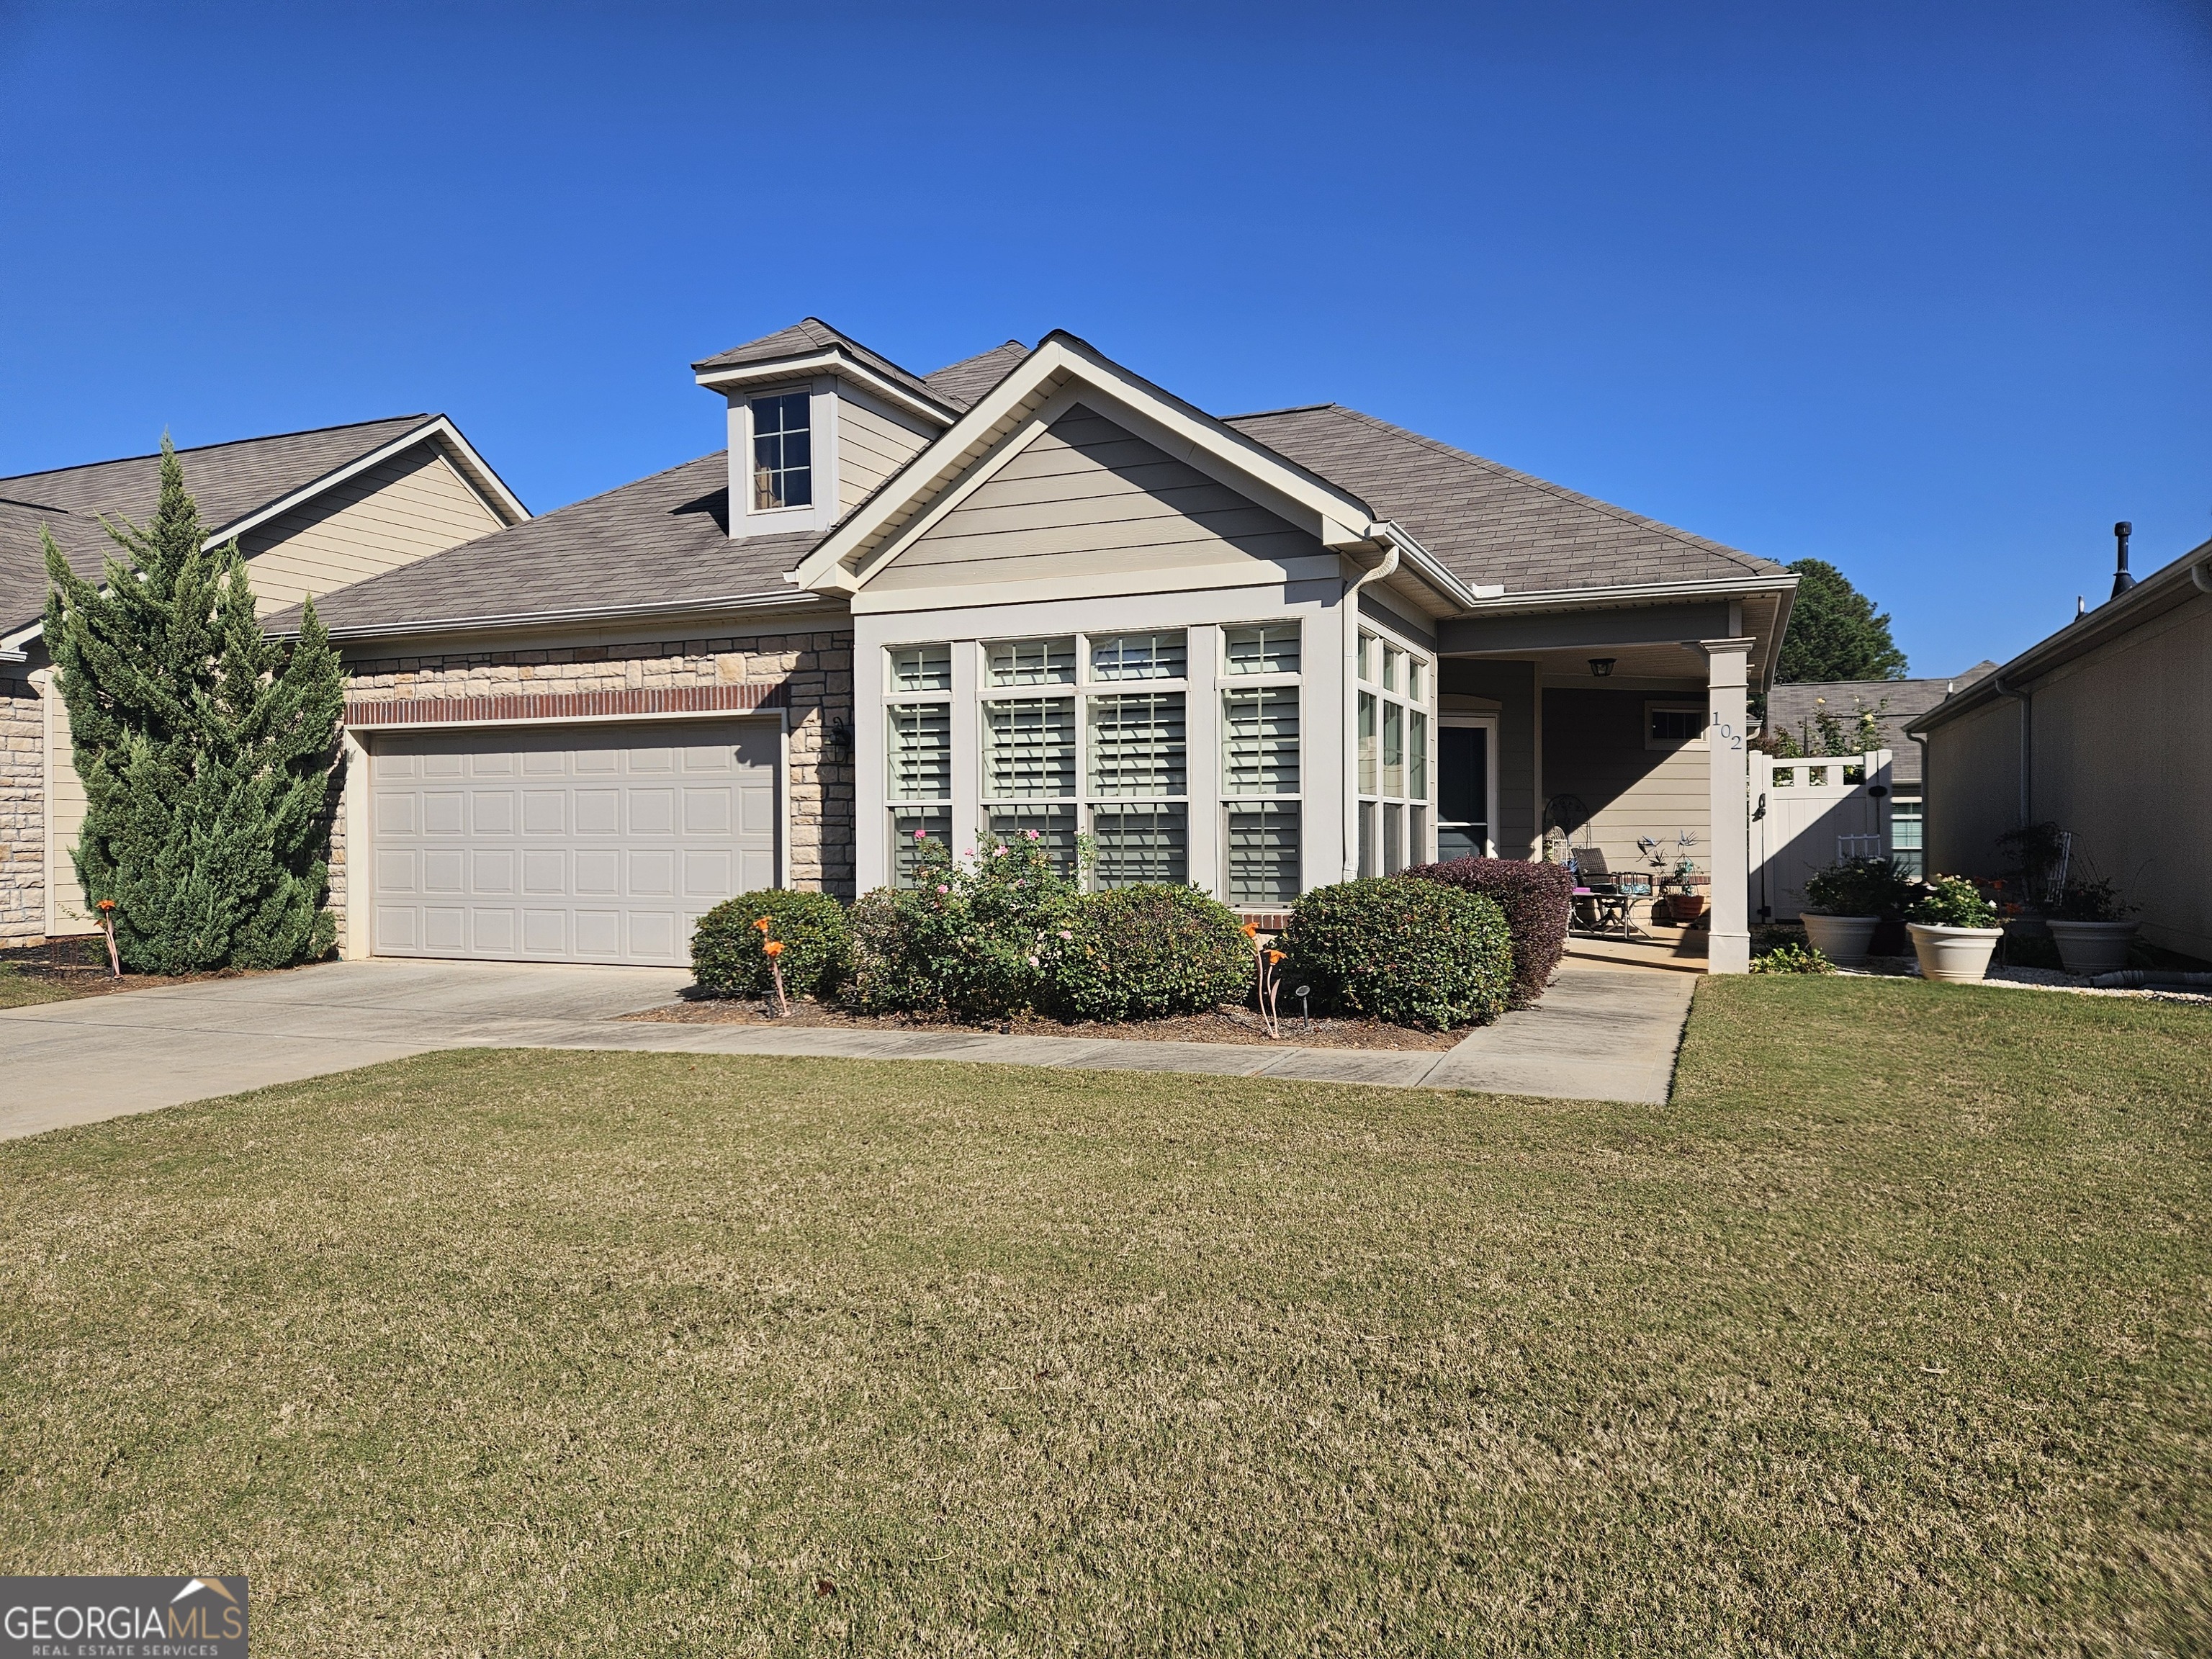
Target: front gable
1080	503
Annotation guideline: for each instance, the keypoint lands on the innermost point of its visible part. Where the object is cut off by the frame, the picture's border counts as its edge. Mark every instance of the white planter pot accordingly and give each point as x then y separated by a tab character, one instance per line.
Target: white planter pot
1955	955
1842	940
2093	947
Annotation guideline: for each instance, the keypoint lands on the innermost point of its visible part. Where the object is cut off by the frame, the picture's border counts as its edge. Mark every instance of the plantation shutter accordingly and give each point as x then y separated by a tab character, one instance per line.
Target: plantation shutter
1263	854
1029	748
1137	745
1138	657
920	751
1269	648
1259	741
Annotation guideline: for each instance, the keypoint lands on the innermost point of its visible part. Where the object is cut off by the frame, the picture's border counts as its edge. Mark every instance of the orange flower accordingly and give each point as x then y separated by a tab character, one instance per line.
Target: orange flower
1274	957
763	924
1251	930
107	904
773	947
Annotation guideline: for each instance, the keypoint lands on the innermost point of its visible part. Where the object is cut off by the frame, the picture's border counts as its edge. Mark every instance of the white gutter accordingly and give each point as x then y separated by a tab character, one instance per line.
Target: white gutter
1498	600
1350	793
1394	536
2201	575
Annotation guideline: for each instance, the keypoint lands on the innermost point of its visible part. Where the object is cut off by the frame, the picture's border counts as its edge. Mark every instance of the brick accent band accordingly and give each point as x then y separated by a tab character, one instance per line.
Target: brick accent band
566	705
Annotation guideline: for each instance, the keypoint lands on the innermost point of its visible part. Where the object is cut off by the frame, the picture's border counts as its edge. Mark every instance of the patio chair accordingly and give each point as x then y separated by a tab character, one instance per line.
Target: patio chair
1604	900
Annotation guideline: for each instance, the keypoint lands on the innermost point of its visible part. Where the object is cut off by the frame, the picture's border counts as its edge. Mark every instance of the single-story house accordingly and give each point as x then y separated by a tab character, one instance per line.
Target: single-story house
1030	591
311	512
1794	707
2105	729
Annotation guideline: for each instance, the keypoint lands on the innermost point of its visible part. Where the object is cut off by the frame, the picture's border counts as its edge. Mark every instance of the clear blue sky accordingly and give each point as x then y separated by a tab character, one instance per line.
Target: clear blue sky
1922	291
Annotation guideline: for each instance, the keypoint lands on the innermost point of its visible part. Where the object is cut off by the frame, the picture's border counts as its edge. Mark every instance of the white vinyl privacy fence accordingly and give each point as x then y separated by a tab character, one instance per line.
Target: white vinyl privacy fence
1807	814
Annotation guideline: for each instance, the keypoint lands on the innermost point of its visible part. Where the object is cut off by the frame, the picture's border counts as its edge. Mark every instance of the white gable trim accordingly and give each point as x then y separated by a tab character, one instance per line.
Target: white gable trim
1340	521
475	472
742	376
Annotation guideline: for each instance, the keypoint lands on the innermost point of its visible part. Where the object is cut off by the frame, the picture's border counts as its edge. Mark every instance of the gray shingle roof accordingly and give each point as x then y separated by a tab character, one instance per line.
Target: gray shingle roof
806	337
1792	707
962	383
227	481
662	542
1485	522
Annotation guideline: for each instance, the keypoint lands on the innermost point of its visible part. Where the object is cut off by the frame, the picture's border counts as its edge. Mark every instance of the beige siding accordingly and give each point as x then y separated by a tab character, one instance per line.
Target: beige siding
1972	789
401	510
870	447
1086	497
1594	749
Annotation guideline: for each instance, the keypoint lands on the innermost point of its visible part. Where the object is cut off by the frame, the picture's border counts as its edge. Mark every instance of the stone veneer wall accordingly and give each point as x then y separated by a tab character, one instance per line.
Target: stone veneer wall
22	814
813	669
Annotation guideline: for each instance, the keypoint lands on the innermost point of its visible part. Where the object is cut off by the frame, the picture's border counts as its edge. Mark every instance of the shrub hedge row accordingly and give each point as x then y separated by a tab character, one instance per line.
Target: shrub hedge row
1538	900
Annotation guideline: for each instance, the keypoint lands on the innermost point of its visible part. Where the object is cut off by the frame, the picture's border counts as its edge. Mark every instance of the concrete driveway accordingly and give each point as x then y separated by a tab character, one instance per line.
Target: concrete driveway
132	1051
1603	1032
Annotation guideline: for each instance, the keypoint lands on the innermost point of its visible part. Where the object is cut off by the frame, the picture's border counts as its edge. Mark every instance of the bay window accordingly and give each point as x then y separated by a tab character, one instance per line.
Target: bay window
1393	771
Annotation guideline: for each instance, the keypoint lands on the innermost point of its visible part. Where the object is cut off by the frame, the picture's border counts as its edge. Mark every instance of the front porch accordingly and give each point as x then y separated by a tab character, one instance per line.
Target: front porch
1615	739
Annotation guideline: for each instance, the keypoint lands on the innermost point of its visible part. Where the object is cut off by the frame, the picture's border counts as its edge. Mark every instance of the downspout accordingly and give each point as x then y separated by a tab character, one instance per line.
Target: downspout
2201	575
1351	705
2026	747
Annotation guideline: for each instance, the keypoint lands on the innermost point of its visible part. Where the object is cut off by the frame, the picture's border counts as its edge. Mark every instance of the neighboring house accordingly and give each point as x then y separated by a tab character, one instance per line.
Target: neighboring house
311	511
1894	704
1030	592
2105	728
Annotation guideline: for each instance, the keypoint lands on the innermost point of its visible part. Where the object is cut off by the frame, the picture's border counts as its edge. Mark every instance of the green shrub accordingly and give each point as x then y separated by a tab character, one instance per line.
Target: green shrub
1413	952
818	945
1953	901
1857	887
1144	952
969	939
1792	959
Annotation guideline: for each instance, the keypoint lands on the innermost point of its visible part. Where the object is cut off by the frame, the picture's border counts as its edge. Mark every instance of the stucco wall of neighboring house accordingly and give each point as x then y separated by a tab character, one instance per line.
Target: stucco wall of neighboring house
1472	685
1594	749
22	813
1972	786
402	509
814	668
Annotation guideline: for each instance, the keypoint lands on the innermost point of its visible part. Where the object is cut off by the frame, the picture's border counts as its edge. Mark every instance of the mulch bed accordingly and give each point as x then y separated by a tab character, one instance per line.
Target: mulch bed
1223	1025
79	966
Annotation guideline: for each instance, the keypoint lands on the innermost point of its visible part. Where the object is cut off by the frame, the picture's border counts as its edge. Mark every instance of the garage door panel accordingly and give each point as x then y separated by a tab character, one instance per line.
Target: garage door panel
600	844
491	812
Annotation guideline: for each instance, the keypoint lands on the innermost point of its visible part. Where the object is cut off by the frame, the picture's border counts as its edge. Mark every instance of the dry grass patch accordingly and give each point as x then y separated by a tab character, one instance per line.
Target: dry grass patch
1889	1336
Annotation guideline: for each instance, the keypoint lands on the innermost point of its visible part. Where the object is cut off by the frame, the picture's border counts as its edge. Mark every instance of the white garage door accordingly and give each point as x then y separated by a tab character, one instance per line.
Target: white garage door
567	844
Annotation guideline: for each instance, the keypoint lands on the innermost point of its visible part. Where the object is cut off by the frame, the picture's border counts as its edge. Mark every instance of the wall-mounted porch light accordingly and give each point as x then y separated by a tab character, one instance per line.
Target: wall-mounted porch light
1602	667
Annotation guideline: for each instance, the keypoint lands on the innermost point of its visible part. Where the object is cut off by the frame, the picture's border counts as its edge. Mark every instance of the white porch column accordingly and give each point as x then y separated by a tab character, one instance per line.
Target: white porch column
1727	765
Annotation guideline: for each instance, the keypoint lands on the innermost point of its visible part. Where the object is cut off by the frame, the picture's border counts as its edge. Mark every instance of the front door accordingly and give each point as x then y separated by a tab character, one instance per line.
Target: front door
1467	760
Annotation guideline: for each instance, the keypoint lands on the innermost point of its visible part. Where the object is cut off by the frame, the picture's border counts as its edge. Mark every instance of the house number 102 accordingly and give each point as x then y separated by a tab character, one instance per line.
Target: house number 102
1723	733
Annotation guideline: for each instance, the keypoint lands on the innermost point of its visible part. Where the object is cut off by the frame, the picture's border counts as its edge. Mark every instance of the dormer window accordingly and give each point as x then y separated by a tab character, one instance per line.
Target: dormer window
783	453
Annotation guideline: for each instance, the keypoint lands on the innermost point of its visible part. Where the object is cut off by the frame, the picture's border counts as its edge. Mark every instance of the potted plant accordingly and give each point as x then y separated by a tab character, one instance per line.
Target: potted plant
2090	923
1845	902
1954	930
1685	903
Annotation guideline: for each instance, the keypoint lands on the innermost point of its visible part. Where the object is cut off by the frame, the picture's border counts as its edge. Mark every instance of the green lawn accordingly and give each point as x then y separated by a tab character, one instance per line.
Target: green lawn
1889	1336
21	990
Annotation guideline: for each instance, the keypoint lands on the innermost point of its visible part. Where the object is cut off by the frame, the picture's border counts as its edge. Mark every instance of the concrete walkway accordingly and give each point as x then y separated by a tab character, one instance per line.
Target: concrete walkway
1601	1033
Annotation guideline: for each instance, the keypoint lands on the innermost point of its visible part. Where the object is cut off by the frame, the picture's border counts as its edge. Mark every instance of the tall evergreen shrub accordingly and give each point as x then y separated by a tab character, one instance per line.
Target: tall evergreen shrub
206	748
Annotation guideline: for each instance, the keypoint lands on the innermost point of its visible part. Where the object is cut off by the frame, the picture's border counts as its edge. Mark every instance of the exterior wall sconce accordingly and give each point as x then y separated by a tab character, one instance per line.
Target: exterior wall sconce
1602	667
838	740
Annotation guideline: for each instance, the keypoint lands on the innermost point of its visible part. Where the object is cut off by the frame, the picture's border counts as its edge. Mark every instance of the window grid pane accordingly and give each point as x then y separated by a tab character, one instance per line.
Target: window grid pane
1394	839
1138	657
921	668
1417	755
1367	774
783	474
1260	742
1394	749
1055	827
1263	854
1033	662
1137	745
920	751
1029	748
1141	843
1394	660
1268	649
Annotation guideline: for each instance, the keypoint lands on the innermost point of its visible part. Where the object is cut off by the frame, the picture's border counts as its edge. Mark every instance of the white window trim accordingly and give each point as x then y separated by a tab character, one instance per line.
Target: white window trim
746	519
1224	684
1420	845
